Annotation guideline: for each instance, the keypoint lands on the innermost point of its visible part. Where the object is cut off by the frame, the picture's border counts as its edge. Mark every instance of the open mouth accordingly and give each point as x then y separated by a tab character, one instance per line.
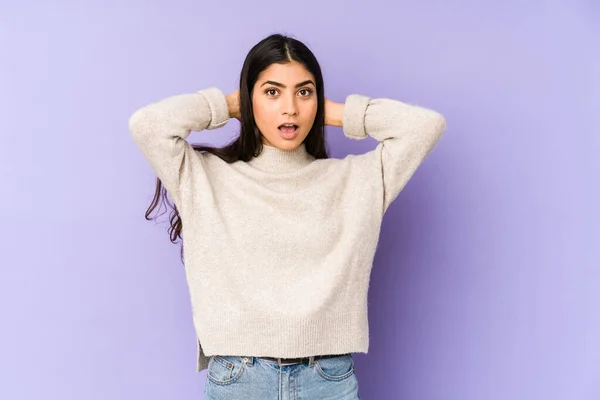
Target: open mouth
288	128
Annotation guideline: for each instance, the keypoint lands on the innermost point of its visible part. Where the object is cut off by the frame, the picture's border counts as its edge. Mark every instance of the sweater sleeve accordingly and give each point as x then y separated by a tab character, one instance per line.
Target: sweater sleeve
406	134
161	128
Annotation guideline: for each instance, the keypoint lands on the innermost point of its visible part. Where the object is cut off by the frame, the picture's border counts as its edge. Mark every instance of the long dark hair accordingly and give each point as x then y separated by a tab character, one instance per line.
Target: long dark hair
276	48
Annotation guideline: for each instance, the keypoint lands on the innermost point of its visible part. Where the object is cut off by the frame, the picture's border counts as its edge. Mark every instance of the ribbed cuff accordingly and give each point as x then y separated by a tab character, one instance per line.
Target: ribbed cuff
219	110
353	119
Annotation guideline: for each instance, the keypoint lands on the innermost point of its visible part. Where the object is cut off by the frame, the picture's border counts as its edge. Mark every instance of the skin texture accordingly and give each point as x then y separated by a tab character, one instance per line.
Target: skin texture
276	99
274	105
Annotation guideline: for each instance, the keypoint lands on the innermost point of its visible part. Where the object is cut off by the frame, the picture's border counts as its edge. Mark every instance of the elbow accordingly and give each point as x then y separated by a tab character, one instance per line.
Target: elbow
140	123
437	125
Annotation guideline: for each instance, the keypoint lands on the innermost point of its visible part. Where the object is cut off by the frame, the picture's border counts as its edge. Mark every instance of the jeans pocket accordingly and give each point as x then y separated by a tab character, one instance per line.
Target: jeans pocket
225	370
335	368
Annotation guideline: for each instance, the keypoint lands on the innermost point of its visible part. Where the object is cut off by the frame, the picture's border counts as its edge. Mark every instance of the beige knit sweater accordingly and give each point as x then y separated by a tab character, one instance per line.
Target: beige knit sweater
278	250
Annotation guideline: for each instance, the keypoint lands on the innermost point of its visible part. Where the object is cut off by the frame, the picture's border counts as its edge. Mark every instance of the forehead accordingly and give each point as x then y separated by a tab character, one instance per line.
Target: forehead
288	73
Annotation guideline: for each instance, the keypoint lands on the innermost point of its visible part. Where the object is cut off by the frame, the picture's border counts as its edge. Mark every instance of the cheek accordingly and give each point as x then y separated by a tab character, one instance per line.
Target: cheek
310	110
263	114
312	105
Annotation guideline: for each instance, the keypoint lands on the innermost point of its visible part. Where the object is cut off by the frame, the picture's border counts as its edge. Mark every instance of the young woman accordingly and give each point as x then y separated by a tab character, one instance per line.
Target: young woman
279	239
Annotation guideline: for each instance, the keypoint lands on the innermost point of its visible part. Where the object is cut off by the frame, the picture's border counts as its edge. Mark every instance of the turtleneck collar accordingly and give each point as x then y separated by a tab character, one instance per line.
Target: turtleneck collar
274	159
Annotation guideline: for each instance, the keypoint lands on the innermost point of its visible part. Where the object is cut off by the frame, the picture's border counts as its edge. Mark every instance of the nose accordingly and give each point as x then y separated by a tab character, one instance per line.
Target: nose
289	105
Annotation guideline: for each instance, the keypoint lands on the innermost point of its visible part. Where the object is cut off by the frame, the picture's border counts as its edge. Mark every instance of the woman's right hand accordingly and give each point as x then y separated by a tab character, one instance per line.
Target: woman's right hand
233	103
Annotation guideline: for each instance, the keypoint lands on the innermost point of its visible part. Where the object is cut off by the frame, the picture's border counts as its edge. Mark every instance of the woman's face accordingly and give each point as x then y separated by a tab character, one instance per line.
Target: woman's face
284	94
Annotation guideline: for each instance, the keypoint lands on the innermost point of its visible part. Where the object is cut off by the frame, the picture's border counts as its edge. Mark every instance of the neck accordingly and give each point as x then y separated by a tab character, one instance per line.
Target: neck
274	159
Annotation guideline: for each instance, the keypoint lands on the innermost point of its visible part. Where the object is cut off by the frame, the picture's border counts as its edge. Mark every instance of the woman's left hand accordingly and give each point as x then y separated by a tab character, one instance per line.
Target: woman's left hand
334	113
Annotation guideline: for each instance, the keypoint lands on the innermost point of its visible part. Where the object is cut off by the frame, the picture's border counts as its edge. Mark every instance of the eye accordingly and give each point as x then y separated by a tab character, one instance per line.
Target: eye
308	92
268	91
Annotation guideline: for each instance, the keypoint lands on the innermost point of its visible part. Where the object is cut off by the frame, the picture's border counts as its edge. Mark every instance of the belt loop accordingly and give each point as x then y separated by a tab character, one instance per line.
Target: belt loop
311	360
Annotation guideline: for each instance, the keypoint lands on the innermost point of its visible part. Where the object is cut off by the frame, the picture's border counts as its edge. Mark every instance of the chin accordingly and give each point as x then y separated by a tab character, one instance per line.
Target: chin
285	144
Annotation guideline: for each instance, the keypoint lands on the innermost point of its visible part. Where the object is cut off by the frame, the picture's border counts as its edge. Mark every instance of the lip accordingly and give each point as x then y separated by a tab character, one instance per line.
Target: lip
289	136
288	123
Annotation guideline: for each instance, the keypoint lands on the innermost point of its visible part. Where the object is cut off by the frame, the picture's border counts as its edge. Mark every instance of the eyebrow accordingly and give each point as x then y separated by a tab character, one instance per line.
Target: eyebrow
281	85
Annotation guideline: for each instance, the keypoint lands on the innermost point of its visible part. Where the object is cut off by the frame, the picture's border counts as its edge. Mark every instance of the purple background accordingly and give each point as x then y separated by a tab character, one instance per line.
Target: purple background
486	284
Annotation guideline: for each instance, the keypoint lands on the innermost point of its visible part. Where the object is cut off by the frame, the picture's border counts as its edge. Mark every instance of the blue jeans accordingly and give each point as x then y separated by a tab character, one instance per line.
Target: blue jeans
256	378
